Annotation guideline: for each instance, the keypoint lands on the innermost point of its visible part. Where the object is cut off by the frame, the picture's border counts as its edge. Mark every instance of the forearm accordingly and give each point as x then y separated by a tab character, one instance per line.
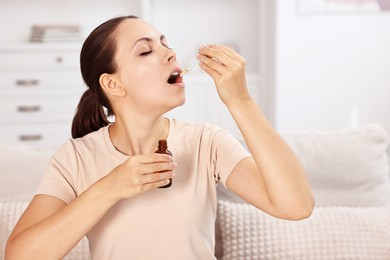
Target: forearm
282	173
275	181
56	235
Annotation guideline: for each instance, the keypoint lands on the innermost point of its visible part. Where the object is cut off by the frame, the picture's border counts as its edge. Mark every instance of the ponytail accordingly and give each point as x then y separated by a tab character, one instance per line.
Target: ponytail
96	57
89	117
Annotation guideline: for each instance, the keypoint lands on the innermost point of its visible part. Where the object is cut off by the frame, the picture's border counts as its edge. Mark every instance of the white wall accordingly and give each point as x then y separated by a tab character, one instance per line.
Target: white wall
332	70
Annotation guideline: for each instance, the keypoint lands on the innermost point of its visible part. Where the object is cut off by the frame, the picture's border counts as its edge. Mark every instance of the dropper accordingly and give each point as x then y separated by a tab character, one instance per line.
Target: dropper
188	69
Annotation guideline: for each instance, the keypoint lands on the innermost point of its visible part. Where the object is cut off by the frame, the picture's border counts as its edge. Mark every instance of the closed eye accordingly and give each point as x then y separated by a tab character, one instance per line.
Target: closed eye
146	53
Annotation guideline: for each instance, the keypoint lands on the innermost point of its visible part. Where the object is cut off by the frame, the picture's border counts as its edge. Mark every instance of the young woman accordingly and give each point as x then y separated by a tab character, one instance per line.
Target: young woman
104	182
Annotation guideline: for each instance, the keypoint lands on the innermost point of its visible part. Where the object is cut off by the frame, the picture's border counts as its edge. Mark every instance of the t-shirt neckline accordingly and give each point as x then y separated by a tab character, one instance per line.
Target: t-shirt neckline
123	156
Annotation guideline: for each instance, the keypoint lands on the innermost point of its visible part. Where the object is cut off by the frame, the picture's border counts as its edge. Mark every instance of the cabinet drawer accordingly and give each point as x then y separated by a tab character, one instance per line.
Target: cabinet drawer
51	135
26	83
50	109
53	60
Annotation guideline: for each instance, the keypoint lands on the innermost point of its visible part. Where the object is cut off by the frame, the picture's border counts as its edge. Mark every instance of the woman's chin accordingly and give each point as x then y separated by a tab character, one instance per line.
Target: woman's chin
179	101
176	105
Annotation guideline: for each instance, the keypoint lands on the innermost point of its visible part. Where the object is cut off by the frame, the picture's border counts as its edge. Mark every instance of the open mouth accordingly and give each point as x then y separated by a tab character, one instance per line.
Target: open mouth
175	78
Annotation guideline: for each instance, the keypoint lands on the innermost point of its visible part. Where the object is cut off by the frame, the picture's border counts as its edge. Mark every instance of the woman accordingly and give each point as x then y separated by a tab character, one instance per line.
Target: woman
104	182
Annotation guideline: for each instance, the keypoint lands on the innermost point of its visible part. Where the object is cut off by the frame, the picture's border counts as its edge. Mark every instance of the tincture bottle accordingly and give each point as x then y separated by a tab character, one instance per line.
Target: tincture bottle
163	148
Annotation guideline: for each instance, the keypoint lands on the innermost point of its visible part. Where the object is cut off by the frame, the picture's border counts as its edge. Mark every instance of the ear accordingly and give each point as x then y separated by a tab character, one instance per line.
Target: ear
111	85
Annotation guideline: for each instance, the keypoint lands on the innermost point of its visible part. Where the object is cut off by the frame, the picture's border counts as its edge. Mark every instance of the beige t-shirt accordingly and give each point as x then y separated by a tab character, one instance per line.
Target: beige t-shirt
172	223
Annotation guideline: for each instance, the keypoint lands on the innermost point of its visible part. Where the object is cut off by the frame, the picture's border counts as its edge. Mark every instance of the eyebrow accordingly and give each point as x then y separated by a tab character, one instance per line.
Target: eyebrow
148	39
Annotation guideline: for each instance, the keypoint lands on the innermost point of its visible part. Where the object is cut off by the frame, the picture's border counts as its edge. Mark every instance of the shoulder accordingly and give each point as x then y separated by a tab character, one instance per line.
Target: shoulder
87	143
91	140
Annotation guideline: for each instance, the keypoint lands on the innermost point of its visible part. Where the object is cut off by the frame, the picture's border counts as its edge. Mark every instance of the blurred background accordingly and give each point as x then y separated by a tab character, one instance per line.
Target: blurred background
312	65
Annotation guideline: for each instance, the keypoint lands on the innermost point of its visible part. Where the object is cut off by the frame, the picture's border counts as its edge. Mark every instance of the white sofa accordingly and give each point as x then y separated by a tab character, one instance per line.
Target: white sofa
349	173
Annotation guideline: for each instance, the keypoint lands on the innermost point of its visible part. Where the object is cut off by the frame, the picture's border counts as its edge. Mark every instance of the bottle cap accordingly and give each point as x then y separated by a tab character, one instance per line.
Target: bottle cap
162	143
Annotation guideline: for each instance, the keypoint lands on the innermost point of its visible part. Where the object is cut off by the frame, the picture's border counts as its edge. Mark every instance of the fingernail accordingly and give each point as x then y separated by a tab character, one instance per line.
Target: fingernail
174	164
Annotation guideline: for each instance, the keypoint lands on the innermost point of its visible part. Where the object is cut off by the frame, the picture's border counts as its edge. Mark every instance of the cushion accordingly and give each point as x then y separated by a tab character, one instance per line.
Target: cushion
10	213
348	167
330	233
21	168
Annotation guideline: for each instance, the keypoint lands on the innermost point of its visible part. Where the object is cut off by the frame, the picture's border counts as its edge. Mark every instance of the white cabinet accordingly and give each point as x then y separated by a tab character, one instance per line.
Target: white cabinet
40	86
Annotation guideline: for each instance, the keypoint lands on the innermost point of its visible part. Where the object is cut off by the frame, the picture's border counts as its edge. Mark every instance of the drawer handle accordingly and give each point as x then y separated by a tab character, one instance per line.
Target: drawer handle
59	59
27	82
29	109
26	138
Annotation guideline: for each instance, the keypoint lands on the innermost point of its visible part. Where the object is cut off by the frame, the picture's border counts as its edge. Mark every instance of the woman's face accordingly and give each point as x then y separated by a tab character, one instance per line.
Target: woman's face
145	62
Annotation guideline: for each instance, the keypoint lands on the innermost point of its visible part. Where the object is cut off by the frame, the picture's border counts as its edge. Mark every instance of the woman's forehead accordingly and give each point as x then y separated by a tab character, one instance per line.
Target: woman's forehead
134	29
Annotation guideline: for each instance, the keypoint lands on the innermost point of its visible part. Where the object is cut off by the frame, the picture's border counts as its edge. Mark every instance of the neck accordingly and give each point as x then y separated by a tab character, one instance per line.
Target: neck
133	136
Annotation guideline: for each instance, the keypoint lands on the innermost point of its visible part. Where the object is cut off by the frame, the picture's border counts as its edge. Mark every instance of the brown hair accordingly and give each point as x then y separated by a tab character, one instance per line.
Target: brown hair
96	57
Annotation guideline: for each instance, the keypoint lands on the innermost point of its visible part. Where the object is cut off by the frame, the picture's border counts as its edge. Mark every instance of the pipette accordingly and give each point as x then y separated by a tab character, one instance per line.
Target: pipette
188	69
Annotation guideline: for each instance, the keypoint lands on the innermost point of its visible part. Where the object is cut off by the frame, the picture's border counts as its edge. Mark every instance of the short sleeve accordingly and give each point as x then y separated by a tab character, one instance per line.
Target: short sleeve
60	177
227	152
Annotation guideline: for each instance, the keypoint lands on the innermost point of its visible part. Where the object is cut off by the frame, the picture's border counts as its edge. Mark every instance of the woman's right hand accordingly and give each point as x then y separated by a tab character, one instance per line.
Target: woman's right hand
141	173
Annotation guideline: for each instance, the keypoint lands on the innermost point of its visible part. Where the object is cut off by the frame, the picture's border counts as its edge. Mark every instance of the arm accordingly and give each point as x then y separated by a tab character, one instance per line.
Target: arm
273	180
50	228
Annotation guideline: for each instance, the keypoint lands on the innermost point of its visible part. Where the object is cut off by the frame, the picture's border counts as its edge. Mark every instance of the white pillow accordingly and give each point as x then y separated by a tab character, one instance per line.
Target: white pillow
348	167
10	213
21	168
330	233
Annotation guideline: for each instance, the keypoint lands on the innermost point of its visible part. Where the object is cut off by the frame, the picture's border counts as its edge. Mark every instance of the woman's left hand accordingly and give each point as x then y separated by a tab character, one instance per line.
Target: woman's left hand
227	68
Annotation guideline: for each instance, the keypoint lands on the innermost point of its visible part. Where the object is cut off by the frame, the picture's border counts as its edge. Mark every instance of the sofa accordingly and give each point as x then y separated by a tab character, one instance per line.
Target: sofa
348	170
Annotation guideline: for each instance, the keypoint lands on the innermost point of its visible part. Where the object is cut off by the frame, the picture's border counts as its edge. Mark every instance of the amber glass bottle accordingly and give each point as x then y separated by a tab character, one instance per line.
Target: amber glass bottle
163	148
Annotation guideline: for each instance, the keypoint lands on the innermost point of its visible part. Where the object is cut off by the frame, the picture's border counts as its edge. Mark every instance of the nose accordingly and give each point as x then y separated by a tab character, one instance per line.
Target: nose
171	56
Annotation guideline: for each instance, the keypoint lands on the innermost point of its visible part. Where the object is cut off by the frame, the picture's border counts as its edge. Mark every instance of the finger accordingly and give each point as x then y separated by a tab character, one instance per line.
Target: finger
228	51
211	64
209	70
154	185
154	157
215	53
221	54
158	167
157	177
